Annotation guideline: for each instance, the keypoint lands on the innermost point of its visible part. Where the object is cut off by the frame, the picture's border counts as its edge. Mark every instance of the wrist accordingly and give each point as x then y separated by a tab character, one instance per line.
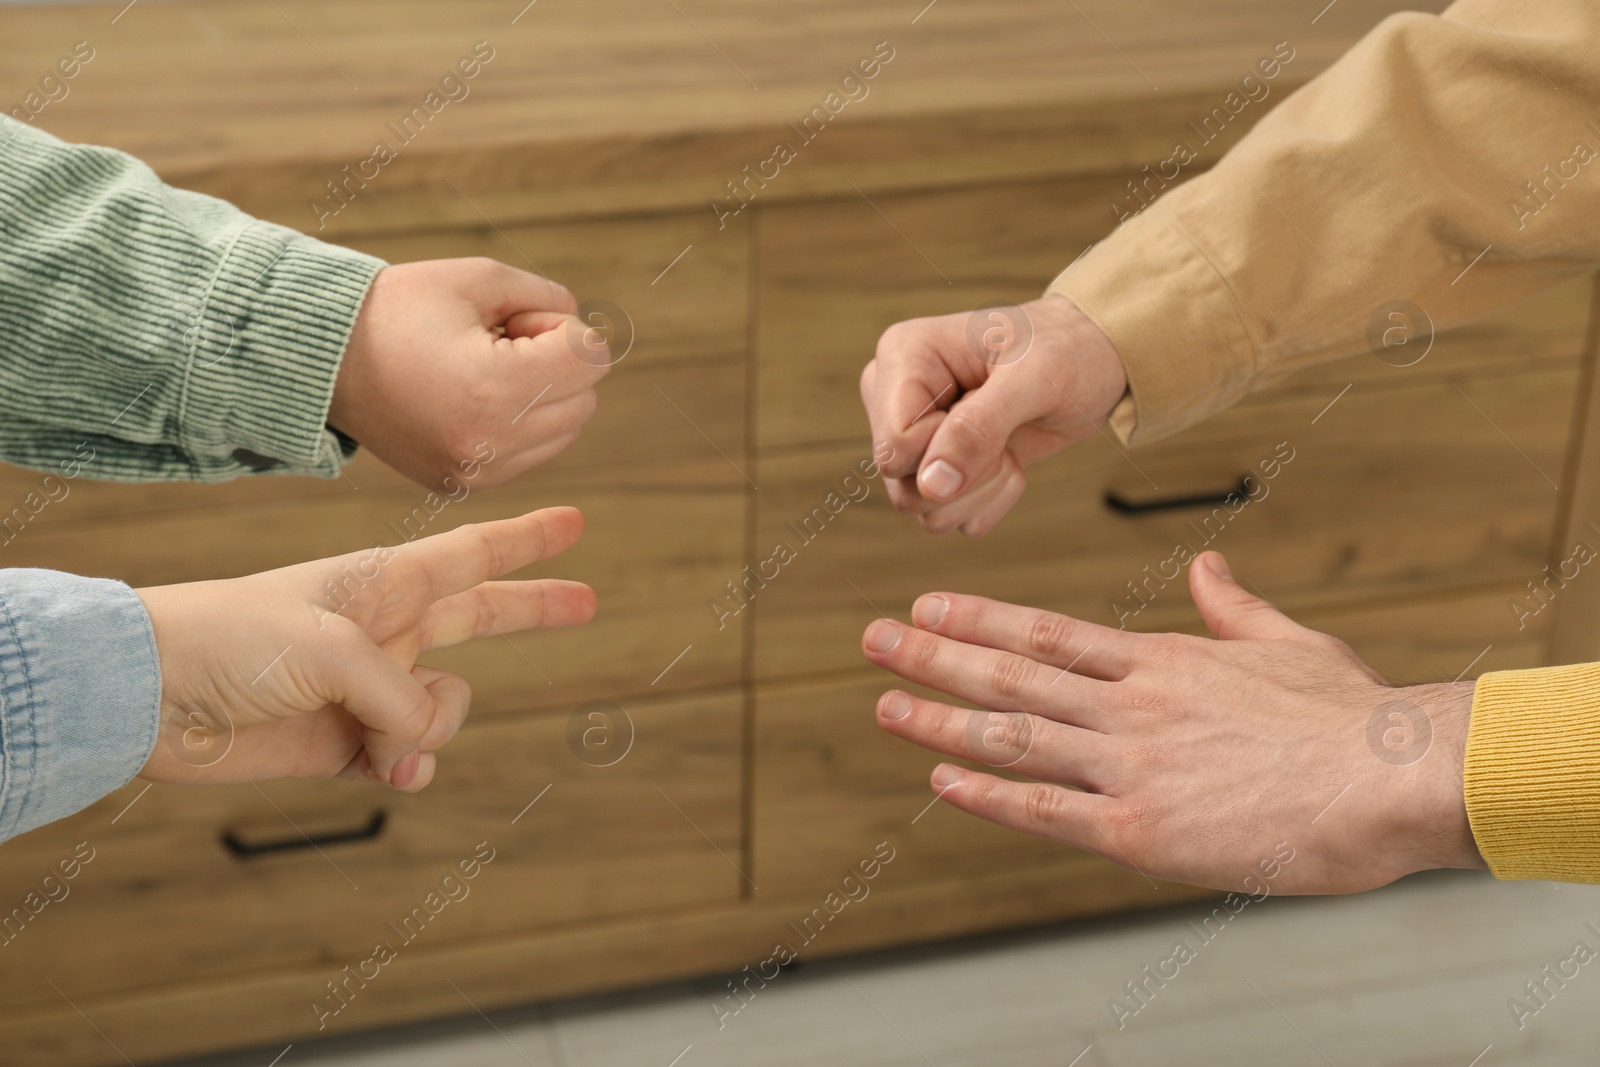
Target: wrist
1435	807
193	733
1097	380
351	382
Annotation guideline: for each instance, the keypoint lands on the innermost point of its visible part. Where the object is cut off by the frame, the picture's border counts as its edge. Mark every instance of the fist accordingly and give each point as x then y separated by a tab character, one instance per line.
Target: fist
450	354
964	402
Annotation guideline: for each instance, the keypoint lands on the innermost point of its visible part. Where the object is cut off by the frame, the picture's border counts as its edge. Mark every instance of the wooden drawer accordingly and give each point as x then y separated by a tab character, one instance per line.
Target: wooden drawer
690	334
829	785
835	275
829	782
660	540
165	902
1443	638
1392	493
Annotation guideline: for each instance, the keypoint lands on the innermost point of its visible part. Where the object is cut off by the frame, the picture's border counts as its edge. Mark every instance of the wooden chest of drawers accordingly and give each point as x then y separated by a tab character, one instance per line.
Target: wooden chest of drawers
1417	505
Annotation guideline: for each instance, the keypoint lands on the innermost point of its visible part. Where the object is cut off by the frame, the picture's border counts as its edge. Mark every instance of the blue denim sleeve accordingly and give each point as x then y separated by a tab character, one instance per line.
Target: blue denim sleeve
80	694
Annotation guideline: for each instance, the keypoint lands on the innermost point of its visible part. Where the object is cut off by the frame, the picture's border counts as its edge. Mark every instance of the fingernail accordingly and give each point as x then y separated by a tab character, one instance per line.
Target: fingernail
945	776
1219	566
929	611
940	480
405	772
894	705
882	636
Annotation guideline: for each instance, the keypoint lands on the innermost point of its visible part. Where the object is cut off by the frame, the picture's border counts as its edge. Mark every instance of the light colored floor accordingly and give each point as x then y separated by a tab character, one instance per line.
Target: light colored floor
1419	975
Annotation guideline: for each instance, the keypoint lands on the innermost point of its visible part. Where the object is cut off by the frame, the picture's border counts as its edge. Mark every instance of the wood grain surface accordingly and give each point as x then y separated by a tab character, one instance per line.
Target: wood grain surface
606	106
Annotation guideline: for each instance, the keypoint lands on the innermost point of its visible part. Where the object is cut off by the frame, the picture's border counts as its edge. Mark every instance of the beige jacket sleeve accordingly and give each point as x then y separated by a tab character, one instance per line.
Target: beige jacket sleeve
1450	160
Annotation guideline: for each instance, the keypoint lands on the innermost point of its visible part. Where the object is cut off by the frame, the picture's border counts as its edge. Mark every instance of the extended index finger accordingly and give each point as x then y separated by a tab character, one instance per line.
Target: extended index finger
990	678
470	555
1060	640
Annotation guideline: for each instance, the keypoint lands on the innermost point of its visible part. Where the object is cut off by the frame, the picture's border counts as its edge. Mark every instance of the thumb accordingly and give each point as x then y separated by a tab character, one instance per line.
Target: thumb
1230	611
533	333
972	437
534	323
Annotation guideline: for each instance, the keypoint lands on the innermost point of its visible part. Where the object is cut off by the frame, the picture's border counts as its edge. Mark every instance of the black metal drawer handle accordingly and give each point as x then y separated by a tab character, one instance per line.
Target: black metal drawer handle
1123	506
242	849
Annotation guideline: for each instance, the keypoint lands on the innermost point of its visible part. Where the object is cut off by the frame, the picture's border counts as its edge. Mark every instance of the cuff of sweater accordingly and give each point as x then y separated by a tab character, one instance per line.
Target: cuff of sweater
1174	322
80	694
1532	775
264	354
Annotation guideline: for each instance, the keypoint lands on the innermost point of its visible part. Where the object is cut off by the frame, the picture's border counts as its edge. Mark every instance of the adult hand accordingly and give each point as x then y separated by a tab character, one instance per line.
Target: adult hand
311	670
965	402
452	354
1183	757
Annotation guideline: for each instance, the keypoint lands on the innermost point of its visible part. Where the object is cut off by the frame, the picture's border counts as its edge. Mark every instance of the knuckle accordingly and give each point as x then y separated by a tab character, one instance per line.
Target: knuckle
1016	734
1121	825
1144	701
951	727
1009	675
463	692
418	719
1049	634
979	525
1042	803
1164	650
898	336
998	738
919	648
487	546
904	500
487	612
968	429
459	695
1142	759
1340	648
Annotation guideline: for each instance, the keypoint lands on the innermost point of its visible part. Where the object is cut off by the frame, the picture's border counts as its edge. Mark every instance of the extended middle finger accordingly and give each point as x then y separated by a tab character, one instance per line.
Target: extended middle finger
999	680
1007	740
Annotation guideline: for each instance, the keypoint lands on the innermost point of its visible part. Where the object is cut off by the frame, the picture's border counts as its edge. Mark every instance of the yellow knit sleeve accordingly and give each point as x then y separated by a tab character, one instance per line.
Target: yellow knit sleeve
1532	774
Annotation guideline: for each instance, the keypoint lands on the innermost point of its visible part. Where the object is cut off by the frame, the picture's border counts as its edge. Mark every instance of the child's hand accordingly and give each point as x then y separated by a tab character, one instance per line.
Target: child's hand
310	671
428	377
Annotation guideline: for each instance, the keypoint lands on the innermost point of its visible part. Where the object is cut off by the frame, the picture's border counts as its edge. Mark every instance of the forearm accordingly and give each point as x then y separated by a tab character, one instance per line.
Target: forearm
1386	178
169	332
80	690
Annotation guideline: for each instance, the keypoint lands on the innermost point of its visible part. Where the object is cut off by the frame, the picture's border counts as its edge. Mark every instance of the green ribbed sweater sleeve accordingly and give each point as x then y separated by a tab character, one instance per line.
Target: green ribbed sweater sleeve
177	336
